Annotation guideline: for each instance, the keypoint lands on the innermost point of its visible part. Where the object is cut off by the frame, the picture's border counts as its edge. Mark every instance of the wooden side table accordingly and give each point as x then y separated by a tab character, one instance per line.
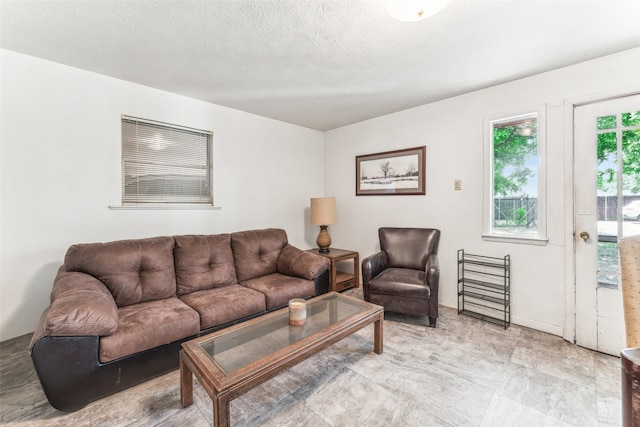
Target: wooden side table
340	280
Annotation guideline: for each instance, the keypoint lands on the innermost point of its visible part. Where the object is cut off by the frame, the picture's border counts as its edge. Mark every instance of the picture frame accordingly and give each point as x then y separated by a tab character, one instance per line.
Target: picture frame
391	173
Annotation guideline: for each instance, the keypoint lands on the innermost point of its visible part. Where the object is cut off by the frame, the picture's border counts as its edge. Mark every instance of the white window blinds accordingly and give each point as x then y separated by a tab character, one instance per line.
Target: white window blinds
163	163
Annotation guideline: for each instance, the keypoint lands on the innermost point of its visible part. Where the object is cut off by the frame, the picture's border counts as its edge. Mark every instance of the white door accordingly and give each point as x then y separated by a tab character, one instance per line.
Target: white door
606	185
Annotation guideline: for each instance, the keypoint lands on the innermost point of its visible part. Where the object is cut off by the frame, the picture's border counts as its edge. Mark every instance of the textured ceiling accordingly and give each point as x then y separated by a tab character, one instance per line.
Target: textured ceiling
320	64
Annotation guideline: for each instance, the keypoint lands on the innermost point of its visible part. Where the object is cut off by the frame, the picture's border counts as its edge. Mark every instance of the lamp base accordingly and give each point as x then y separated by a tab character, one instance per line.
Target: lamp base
324	240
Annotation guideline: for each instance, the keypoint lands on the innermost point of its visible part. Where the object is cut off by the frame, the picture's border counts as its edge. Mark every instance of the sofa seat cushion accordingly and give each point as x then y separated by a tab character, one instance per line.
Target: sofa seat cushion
221	305
279	289
403	282
148	325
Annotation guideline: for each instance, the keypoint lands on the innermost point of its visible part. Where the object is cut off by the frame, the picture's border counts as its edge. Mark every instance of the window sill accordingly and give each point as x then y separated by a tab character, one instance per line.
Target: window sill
537	241
163	207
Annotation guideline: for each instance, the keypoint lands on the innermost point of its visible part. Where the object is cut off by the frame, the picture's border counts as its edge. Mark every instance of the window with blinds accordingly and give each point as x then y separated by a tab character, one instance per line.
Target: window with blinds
165	164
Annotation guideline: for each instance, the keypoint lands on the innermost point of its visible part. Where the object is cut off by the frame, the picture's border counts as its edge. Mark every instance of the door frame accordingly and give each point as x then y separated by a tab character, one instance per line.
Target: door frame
569	332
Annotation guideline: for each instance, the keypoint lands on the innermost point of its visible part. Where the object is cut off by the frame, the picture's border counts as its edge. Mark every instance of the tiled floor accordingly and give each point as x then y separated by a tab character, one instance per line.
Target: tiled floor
462	373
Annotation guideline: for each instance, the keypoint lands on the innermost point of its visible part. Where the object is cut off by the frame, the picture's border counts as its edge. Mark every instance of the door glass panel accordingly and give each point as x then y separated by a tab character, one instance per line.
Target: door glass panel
631	119
606	122
607	204
618	189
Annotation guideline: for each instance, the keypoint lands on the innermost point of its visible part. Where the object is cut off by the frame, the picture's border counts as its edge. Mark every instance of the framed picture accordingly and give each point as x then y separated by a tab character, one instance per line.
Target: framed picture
399	172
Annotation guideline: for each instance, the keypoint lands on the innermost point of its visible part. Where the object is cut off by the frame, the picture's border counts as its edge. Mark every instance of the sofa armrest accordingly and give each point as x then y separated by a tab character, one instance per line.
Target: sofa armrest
298	263
371	267
80	305
322	283
432	271
72	376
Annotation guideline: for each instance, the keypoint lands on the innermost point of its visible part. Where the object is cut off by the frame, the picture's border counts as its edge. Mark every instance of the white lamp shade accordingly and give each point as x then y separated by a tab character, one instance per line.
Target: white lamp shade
414	10
323	210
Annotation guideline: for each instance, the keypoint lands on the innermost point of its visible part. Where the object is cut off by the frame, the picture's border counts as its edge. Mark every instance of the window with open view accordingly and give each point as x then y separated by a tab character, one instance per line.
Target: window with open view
165	164
515	206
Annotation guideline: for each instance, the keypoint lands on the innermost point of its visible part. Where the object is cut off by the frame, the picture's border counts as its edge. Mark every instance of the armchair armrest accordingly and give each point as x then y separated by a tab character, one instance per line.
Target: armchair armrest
432	272
298	263
371	267
80	305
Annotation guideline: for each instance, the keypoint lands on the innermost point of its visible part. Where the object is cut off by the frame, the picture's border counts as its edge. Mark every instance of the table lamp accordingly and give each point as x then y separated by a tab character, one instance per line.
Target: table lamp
323	213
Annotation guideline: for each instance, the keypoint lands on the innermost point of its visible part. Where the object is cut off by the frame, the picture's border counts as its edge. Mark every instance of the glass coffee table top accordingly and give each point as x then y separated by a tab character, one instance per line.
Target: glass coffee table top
242	346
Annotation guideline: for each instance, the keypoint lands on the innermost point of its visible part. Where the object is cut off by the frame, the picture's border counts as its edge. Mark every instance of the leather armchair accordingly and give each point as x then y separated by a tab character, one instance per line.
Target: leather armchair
404	276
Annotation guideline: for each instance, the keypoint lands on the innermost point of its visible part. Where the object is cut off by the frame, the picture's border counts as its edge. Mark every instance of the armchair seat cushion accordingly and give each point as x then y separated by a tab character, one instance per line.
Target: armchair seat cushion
279	288
401	282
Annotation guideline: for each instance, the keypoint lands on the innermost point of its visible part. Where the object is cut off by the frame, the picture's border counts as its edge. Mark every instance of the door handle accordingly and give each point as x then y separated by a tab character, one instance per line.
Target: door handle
584	235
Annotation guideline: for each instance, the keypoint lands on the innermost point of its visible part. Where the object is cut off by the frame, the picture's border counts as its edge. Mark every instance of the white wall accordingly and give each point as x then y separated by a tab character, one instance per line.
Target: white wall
452	130
60	158
60	169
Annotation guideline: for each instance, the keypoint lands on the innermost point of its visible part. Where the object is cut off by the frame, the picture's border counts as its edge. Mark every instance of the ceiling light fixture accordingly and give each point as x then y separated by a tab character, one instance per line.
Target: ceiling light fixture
414	10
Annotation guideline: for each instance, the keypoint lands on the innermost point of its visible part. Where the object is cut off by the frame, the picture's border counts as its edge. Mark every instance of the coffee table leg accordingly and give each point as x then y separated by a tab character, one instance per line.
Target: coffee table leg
377	334
221	412
186	383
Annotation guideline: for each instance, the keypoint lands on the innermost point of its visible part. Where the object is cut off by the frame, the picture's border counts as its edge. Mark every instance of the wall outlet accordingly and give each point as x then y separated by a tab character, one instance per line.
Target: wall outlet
457	185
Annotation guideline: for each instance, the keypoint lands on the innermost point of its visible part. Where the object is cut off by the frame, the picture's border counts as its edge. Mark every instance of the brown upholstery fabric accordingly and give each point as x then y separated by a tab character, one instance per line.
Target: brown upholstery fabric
80	305
279	289
256	252
203	262
296	262
221	305
134	271
148	325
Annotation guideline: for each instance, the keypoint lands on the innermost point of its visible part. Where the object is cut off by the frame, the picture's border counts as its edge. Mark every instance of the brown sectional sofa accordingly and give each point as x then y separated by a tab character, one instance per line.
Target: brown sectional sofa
120	310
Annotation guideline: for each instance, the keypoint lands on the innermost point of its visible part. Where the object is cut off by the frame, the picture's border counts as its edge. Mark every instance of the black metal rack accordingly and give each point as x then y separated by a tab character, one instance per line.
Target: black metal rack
484	287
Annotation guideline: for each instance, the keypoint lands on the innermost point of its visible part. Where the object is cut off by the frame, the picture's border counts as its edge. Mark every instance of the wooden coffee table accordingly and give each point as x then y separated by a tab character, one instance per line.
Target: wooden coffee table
232	361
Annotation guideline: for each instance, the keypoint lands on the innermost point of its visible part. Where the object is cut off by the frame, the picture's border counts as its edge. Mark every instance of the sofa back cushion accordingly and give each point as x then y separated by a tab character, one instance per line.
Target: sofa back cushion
256	252
203	262
134	271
